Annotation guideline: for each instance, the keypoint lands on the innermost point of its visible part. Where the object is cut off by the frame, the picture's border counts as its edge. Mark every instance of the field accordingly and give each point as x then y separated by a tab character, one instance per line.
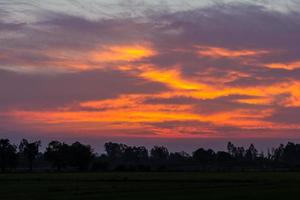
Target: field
73	186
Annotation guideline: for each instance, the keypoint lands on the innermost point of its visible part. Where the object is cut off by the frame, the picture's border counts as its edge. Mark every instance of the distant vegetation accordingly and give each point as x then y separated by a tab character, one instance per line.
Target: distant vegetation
60	156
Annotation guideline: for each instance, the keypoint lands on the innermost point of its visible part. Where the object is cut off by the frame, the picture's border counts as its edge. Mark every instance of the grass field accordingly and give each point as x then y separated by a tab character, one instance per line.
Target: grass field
73	186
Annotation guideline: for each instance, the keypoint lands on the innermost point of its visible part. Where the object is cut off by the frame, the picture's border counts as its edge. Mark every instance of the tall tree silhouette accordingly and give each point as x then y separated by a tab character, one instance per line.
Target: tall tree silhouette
8	154
115	151
58	154
135	154
277	153
231	149
251	153
159	153
291	154
81	155
29	150
204	156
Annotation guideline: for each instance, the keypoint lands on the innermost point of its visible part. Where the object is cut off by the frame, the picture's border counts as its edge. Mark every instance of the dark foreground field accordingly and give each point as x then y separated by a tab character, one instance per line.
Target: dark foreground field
150	186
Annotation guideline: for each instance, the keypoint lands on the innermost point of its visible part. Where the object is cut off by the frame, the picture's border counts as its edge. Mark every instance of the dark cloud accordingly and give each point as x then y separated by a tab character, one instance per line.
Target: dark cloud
233	27
211	106
62	31
10	26
236	26
227	104
39	91
37	42
260	76
286	115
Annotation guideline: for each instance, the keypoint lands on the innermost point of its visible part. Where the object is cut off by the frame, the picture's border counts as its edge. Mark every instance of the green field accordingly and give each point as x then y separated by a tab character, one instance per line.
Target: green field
73	186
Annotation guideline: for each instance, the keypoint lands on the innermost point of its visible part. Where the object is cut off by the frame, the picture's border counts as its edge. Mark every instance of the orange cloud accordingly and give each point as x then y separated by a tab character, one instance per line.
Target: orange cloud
121	53
66	60
287	66
218	52
239	118
261	95
130	111
172	78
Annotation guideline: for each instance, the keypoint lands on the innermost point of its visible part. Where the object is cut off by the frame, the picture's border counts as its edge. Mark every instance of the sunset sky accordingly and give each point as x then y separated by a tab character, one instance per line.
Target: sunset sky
149	69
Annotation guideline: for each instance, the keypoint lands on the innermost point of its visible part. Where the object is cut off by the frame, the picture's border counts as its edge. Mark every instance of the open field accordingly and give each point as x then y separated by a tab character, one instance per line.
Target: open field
73	186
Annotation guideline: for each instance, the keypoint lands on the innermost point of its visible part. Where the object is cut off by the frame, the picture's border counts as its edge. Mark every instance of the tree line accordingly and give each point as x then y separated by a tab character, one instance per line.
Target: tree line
59	156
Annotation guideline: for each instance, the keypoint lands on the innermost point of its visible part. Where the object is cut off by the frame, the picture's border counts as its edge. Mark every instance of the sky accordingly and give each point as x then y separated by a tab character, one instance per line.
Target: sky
183	72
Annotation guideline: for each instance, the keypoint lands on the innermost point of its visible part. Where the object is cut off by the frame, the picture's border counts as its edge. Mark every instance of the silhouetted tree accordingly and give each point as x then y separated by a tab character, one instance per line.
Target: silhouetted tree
101	163
159	153
8	154
135	154
204	156
115	151
240	153
231	149
81	155
29	150
223	157
261	155
291	154
179	157
141	153
58	154
251	153
278	153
